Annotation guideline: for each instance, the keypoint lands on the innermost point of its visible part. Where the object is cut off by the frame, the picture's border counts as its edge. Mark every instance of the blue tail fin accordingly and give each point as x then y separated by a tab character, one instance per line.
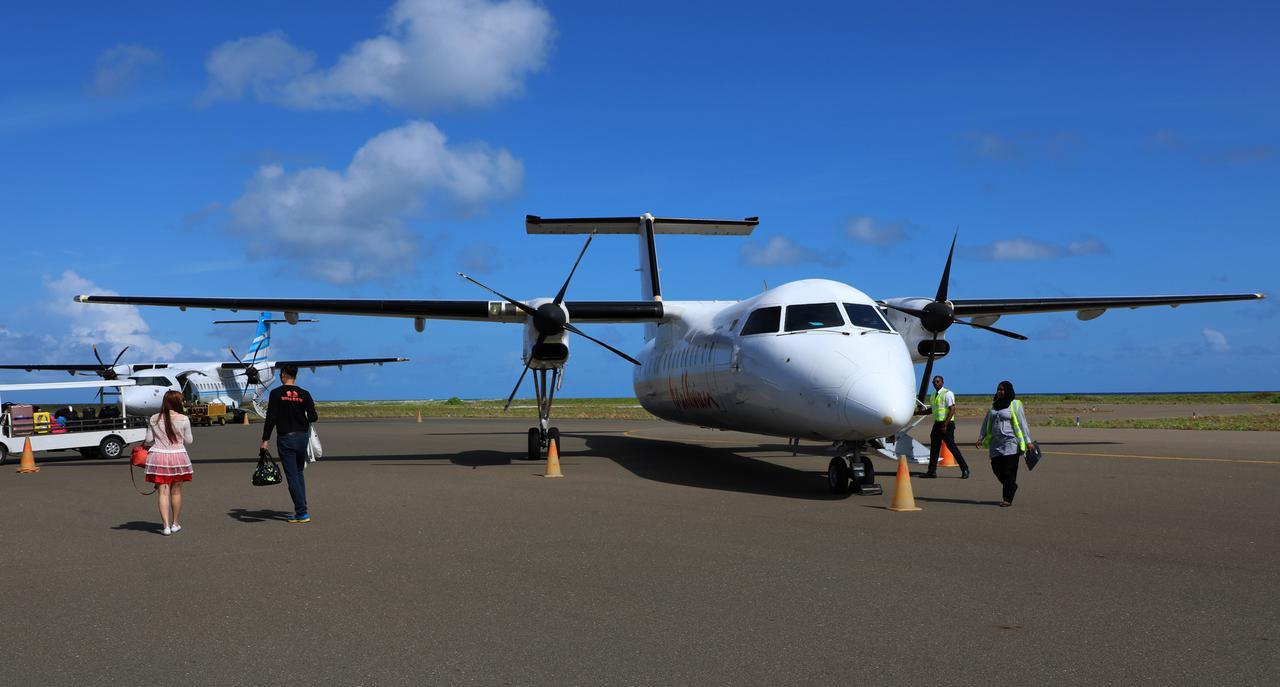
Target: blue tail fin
260	347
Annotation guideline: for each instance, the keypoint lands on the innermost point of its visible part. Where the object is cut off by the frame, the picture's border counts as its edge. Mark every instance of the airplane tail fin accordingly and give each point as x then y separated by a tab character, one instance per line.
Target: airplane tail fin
645	226
260	347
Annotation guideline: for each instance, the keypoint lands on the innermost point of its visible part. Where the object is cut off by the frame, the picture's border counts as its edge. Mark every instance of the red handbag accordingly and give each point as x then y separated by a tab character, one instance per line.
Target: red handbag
139	456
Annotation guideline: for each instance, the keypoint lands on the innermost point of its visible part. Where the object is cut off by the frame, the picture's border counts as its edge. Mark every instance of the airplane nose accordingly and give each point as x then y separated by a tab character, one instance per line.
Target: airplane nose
879	404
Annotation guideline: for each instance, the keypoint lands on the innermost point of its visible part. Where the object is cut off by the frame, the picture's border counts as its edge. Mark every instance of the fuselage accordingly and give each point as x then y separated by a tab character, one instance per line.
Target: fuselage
200	382
813	359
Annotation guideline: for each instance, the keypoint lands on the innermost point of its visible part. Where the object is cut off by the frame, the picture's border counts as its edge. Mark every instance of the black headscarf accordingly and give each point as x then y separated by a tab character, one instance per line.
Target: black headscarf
1001	402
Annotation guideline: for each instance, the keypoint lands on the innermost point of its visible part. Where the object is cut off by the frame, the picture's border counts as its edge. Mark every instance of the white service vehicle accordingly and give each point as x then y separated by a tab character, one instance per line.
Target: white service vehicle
99	436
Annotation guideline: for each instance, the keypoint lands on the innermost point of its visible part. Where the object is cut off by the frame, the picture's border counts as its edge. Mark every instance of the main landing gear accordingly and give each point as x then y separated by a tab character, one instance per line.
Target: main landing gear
851	466
542	436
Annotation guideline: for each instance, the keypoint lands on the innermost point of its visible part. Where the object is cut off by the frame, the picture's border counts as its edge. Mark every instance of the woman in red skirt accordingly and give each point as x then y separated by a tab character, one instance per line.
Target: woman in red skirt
168	465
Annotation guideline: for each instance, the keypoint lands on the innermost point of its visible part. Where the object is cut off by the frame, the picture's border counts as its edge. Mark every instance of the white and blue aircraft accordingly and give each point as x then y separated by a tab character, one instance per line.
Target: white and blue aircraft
814	359
238	384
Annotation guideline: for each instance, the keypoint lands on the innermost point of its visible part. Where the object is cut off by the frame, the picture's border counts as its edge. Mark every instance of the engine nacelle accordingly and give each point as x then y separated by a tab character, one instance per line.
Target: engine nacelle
552	353
917	338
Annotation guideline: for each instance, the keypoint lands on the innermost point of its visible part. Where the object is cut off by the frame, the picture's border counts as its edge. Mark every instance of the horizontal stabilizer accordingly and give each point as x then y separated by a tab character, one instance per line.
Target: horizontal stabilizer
631	225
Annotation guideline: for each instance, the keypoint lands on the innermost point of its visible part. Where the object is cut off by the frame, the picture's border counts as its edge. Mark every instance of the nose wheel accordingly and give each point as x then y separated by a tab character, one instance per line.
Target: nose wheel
542	436
852	469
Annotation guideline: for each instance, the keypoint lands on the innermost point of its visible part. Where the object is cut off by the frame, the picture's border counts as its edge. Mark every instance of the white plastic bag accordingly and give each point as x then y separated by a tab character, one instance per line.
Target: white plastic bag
314	449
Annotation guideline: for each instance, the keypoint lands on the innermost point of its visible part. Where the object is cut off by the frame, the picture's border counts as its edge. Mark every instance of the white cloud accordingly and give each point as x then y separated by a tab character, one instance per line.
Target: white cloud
111	327
348	226
780	251
259	64
872	231
433	54
1024	249
1217	340
121	67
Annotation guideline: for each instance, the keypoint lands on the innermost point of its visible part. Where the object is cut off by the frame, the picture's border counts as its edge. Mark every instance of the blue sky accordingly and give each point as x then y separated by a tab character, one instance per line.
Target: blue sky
184	149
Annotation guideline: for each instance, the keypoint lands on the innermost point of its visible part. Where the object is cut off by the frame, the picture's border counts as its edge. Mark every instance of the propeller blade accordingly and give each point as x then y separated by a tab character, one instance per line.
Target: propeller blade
560	296
95	354
234	354
527	310
928	372
570	328
1001	332
523	372
946	271
117	360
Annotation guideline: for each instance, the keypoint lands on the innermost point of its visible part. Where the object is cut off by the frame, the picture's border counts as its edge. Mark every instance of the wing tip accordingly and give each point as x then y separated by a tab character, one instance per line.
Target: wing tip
81	299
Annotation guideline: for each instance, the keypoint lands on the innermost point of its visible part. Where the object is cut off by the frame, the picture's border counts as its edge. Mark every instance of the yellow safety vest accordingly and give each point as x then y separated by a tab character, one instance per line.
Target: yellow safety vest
939	403
1013	413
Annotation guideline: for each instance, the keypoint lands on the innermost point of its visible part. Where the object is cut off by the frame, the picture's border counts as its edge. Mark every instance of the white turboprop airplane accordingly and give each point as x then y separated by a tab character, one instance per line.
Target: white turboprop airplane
238	385
814	359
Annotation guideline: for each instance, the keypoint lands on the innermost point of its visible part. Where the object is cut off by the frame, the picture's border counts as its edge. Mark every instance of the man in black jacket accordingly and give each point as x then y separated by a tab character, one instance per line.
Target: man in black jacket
291	411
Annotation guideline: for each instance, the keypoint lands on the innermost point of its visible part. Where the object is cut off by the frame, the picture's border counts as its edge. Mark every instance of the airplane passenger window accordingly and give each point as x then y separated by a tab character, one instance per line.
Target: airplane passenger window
813	316
866	316
763	321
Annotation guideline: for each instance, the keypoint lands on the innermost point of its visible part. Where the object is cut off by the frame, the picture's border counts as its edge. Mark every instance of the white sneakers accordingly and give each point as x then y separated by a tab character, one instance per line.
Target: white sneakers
171	530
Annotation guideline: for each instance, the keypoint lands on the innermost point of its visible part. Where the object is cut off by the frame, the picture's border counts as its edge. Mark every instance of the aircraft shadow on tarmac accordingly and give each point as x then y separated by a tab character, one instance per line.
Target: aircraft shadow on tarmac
709	468
971	502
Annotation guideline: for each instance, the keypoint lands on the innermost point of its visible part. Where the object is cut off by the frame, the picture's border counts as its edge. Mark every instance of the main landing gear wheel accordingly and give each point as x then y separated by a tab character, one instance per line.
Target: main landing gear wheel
838	476
535	444
553	437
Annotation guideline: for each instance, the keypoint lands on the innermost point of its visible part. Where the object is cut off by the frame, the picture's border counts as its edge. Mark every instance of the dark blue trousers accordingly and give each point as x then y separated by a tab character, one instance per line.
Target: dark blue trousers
292	448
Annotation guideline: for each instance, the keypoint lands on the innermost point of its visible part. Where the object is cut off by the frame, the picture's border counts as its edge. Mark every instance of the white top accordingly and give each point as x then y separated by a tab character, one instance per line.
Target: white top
159	441
948	398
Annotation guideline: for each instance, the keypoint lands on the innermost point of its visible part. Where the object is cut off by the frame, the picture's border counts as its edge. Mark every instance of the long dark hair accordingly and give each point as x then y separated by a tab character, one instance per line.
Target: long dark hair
999	402
172	402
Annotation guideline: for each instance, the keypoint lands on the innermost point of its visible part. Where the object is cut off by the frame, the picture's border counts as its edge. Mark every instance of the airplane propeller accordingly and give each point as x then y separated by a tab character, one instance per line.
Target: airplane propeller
252	378
938	316
549	319
107	372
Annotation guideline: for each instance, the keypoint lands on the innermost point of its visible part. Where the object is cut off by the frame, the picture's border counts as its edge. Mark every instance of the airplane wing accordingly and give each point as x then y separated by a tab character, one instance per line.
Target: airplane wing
1086	308
333	362
484	311
56	368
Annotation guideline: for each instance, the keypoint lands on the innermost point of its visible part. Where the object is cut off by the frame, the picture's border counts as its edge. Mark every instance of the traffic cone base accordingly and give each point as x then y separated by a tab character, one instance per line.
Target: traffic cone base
903	499
948	460
553	461
28	464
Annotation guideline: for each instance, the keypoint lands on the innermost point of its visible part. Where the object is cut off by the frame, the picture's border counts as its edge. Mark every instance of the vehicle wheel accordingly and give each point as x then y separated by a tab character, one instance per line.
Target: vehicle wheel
111	447
553	434
838	476
89	452
4	453
868	471
535	444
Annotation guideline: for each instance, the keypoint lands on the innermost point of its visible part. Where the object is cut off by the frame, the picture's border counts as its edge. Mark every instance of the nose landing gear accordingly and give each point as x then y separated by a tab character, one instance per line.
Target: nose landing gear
850	467
542	436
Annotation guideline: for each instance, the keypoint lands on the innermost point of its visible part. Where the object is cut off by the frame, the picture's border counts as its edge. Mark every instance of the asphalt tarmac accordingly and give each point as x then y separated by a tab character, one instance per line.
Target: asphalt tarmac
668	555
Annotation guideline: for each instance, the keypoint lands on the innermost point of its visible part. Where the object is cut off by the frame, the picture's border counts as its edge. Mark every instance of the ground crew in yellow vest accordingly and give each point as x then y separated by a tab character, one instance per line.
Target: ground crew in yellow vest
943	403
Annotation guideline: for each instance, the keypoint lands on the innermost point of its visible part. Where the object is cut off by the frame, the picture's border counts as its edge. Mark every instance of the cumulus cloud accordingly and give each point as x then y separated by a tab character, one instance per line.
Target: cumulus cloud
350	225
121	67
873	232
780	251
112	326
1217	340
432	54
1023	249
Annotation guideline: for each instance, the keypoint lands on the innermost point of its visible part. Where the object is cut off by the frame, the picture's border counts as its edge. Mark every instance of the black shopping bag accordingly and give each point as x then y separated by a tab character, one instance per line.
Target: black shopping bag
268	471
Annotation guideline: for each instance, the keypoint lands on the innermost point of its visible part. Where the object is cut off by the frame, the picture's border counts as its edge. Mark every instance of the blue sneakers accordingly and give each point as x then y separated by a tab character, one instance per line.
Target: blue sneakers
298	519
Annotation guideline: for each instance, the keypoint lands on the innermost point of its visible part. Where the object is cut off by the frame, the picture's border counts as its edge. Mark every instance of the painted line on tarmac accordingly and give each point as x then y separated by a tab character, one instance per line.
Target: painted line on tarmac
1178	458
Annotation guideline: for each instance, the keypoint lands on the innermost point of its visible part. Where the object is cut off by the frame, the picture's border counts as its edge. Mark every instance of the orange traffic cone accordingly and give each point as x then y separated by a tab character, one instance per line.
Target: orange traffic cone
419	416
553	461
948	460
28	463
903	499
244	418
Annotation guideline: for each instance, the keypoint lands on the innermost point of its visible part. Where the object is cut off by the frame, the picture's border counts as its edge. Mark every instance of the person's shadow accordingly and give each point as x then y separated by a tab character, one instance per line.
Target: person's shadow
140	526
245	515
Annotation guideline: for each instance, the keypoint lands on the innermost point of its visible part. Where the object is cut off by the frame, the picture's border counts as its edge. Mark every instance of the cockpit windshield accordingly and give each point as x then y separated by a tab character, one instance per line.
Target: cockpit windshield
763	321
813	316
866	316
